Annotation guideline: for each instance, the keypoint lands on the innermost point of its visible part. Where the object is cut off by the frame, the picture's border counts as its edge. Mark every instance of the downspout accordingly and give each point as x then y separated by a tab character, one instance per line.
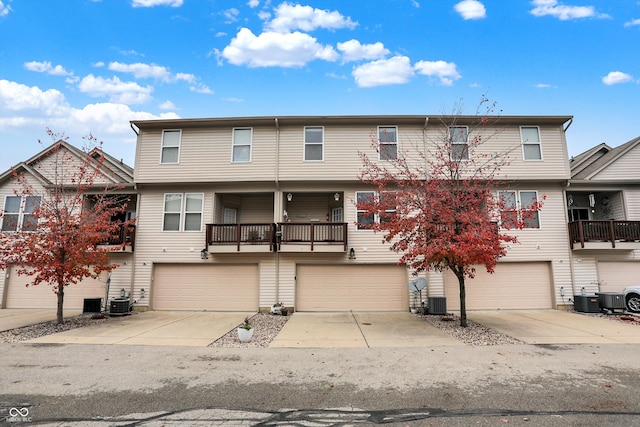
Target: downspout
566	220
424	142
278	206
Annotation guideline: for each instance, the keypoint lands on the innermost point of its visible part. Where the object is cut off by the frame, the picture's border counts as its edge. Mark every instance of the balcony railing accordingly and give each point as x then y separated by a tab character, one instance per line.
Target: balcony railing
124	240
321	237
237	237
614	232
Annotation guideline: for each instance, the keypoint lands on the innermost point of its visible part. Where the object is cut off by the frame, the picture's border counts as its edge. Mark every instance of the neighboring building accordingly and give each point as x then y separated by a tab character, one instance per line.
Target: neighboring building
603	205
237	214
40	172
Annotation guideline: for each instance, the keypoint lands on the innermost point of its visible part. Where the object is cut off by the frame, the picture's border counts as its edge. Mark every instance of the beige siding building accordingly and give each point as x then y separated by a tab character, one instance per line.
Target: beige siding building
242	213
42	171
603	205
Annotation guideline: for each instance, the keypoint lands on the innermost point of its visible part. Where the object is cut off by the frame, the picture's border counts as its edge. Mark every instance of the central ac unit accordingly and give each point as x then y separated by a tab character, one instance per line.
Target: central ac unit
437	305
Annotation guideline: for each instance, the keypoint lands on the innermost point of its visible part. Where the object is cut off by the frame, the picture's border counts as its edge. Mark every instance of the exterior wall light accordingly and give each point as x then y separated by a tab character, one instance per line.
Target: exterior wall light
289	197
336	197
142	293
123	293
204	254
352	253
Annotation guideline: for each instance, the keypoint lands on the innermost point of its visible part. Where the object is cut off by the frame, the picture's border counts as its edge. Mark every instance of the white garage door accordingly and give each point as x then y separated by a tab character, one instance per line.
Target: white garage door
219	287
351	287
513	285
615	276
21	296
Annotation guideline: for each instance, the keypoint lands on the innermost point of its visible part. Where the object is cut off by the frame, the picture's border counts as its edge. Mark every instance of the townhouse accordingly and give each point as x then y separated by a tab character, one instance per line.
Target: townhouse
43	171
603	205
241	213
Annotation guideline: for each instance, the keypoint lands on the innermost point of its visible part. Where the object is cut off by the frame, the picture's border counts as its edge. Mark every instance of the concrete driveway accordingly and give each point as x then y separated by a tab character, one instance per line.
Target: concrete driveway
344	329
360	329
182	328
557	327
11	318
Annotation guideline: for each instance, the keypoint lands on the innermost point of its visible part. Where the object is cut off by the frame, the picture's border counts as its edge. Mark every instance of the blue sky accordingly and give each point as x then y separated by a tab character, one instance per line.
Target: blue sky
80	66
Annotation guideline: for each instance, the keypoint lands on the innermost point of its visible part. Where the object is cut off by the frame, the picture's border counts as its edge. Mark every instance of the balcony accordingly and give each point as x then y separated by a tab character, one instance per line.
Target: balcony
123	241
312	237
621	235
231	238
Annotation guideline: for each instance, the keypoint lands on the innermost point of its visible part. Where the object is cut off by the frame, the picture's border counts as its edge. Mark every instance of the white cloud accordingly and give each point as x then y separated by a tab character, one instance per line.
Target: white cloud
201	88
271	49
231	15
152	3
253	3
290	17
46	67
116	90
471	9
233	100
353	50
396	70
16	97
144	71
167	105
543	86
27	109
616	77
446	72
4	9
563	12
632	23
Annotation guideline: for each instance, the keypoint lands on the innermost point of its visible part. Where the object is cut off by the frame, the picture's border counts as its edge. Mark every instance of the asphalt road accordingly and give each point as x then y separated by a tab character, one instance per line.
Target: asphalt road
111	385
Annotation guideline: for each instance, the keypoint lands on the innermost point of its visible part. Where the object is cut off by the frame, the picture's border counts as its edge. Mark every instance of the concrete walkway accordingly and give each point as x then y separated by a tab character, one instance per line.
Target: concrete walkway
347	329
557	327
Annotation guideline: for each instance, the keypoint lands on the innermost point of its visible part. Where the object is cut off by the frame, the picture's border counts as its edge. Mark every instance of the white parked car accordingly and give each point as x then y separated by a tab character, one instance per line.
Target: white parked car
632	298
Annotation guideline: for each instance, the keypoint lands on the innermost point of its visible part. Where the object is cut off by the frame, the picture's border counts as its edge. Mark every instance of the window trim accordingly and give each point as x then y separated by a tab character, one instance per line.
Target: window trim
304	148
21	213
519	207
182	212
539	144
466	144
233	144
164	212
201	212
380	143
358	211
162	146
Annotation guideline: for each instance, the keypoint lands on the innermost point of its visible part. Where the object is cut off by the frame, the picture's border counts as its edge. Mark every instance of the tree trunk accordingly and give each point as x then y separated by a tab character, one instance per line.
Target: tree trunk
463	299
59	315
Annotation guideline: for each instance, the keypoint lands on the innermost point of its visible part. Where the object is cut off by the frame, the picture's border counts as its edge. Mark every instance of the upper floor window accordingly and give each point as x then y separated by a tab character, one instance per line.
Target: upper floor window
459	142
388	142
519	205
313	143
170	146
242	145
182	212
531	148
18	213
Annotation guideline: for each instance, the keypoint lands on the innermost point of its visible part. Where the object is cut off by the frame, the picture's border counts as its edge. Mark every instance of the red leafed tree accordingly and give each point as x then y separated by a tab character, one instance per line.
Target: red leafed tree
69	211
438	204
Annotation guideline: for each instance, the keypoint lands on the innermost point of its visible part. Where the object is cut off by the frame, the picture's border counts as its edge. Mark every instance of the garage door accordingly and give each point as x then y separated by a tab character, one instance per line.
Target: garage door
221	287
351	287
615	276
517	285
21	296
